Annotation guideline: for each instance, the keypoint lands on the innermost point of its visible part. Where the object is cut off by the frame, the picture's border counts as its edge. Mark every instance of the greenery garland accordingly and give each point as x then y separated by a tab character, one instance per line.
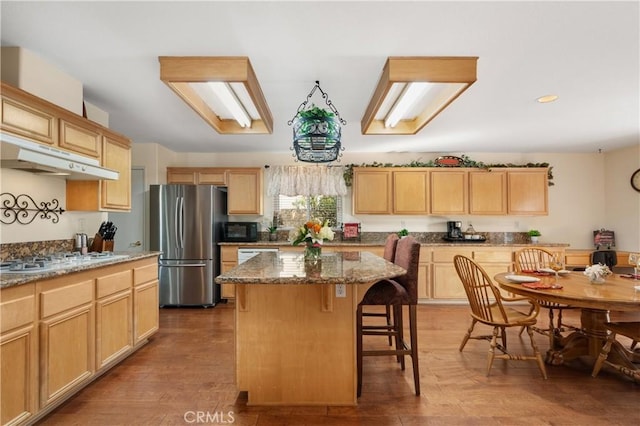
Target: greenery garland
466	162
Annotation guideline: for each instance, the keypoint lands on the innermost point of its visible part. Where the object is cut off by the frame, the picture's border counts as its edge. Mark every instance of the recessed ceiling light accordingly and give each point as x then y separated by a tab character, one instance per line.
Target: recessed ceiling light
546	99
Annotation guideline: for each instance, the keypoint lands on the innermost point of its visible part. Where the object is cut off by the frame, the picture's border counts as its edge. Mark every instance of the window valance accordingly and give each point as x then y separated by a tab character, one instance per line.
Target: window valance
301	180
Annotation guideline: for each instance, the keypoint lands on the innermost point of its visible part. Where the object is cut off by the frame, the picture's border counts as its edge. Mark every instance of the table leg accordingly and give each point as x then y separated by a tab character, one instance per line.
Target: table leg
586	342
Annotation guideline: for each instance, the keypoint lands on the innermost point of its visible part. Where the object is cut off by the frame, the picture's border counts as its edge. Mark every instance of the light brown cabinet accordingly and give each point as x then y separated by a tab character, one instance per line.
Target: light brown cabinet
488	192
410	191
197	175
527	191
80	136
105	195
146	316
59	334
25	115
244	185
67	339
449	193
372	191
113	316
18	356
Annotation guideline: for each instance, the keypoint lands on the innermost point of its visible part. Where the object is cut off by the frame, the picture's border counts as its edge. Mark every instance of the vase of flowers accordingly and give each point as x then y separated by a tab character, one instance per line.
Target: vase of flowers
597	273
312	234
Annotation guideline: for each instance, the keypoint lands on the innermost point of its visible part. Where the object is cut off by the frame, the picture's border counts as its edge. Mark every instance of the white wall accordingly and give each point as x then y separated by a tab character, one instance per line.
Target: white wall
43	189
577	203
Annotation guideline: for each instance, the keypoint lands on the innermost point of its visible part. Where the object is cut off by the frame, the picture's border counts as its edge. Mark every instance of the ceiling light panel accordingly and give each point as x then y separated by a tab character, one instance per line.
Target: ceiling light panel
448	77
237	106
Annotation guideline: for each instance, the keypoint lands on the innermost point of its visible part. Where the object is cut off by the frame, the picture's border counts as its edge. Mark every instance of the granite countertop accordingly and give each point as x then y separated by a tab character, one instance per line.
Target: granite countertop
13	279
290	268
369	243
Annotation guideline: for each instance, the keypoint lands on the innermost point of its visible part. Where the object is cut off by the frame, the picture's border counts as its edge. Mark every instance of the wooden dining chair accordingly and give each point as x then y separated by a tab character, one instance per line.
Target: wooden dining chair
397	293
630	329
487	307
532	259
389	254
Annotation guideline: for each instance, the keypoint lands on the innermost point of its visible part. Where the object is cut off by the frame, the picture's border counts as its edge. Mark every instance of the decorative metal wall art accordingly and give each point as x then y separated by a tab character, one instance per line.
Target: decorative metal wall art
317	131
24	209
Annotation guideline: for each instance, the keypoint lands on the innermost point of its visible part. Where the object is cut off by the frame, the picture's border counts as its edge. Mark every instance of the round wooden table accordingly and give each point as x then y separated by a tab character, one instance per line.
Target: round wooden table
595	301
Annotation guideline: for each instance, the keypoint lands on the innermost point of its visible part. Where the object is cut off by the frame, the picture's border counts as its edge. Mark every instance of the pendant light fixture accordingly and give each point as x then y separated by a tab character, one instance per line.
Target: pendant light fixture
317	131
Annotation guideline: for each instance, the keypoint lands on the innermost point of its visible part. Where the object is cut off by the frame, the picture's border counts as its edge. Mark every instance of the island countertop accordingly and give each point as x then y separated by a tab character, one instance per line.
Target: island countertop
290	268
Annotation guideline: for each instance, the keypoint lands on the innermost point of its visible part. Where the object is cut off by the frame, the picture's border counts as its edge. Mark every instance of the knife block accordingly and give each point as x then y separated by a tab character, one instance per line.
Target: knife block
99	245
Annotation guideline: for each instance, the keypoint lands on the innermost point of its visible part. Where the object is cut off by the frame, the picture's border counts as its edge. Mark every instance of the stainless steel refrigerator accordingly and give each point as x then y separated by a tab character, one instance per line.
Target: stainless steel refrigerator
186	226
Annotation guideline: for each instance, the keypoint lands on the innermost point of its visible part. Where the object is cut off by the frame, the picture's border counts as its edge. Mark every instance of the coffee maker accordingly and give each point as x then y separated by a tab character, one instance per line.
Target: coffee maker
454	230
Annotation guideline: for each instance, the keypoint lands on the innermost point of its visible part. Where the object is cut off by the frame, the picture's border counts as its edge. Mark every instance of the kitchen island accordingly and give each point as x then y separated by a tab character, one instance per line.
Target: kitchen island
296	325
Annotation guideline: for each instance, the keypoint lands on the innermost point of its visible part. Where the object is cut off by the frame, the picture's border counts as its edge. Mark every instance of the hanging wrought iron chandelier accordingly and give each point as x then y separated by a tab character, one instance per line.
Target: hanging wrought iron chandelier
317	131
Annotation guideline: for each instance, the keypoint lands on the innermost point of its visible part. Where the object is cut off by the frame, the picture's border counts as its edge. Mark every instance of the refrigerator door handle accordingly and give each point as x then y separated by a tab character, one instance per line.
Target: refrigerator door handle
181	222
176	220
182	265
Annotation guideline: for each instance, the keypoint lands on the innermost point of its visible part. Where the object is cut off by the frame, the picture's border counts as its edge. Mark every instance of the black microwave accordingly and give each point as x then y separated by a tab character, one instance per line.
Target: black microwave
240	232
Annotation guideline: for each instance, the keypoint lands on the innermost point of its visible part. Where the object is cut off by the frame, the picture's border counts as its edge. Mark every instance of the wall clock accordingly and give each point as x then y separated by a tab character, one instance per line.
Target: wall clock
635	180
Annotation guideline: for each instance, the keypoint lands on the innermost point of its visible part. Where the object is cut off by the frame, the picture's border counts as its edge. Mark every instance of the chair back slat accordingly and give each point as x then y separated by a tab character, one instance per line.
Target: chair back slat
390	247
532	259
408	257
480	290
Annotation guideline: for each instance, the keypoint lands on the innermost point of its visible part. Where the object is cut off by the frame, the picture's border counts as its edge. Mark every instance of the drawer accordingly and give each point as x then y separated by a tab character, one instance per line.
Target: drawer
145	274
493	256
113	283
229	253
17	308
446	255
61	299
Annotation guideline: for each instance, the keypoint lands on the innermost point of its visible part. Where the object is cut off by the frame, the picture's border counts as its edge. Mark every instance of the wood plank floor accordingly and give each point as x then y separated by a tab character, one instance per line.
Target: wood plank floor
188	367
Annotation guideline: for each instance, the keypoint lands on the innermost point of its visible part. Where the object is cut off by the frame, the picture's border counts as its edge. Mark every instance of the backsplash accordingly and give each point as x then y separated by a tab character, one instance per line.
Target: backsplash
34	248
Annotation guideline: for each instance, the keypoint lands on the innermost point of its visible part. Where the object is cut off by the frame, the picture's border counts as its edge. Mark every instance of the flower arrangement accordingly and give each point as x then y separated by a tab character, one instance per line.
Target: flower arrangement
597	273
313	233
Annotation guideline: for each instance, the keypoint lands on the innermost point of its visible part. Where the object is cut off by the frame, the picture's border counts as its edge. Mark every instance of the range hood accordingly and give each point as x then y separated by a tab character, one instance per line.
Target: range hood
22	154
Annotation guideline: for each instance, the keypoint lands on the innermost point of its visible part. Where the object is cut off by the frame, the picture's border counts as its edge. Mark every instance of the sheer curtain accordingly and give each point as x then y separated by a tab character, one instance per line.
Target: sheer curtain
301	180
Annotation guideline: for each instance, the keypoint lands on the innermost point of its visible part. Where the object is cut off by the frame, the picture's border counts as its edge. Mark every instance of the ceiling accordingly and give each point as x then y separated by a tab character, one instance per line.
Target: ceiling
586	52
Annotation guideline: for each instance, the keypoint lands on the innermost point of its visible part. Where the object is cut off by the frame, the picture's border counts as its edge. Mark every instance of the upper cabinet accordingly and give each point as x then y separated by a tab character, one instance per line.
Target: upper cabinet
488	192
244	185
527	191
372	193
26	115
30	117
410	191
105	195
197	175
449	191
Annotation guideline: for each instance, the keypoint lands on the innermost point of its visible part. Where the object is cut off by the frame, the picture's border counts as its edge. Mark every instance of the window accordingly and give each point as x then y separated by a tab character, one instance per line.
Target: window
291	212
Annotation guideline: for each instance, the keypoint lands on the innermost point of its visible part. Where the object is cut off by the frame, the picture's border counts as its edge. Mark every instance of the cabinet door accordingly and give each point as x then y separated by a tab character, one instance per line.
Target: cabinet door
211	176
81	137
449	192
488	192
445	281
18	355
179	175
410	192
116	155
24	115
66	352
145	312
113	327
372	191
244	191
527	192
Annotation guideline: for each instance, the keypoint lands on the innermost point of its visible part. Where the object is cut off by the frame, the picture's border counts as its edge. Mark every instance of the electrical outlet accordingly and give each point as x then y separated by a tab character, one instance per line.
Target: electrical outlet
341	290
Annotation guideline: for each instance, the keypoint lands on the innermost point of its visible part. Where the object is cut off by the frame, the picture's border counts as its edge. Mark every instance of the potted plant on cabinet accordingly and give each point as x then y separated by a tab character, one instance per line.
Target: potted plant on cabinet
534	234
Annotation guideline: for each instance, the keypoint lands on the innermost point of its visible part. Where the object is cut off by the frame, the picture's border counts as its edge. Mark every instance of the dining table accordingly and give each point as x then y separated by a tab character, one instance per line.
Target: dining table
619	292
295	324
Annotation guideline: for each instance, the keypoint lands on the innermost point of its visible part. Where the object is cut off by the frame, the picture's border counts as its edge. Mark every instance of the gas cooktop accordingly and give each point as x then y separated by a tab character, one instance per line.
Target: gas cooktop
55	262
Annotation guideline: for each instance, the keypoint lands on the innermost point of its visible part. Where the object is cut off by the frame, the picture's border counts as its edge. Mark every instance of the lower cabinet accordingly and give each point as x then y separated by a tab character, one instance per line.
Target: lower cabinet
59	334
67	339
18	354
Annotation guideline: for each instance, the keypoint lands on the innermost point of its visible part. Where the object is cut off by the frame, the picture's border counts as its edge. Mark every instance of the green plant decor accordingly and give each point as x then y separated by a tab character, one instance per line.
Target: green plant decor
403	232
466	162
534	233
